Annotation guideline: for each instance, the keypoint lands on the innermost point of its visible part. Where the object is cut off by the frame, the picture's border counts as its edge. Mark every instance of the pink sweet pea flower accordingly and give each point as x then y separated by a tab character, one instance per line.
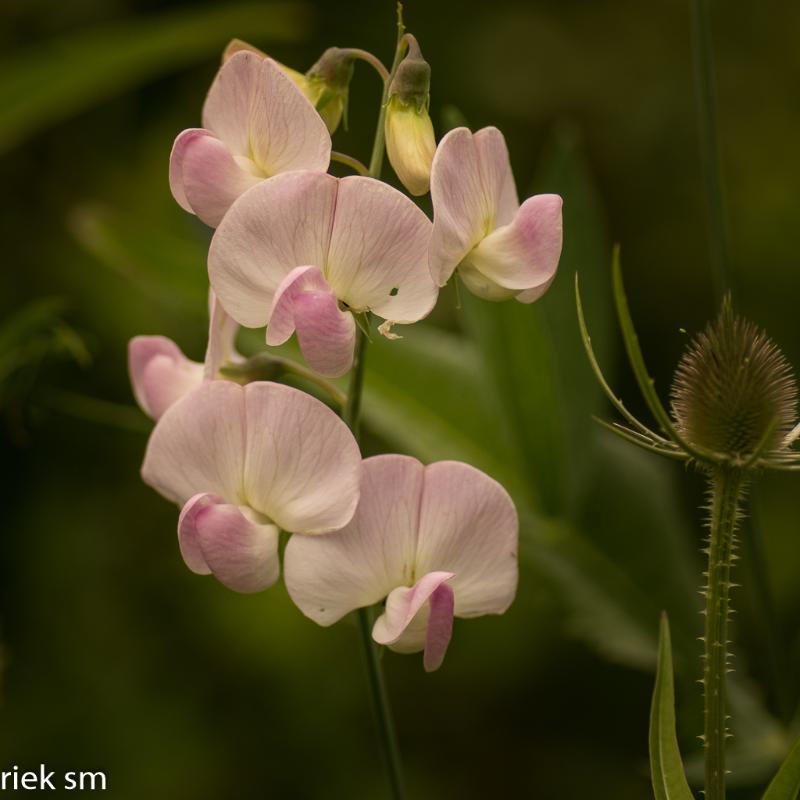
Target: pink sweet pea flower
501	249
304	251
434	541
161	374
244	462
256	124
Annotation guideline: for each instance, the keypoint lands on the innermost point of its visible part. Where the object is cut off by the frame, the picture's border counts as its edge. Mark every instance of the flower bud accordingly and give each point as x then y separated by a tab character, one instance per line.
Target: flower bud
410	140
732	387
235	45
328	85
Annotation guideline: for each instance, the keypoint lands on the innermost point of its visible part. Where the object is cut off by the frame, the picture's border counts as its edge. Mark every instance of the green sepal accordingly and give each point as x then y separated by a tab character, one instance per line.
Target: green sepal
666	767
786	784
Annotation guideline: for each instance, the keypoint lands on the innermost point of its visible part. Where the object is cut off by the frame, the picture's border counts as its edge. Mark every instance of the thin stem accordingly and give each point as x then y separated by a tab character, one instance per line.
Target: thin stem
351	415
372	60
381	704
349	161
378	147
709	145
352	408
265	366
727	486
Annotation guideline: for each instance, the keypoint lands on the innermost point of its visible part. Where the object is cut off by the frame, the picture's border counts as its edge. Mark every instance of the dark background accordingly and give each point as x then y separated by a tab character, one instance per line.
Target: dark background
116	658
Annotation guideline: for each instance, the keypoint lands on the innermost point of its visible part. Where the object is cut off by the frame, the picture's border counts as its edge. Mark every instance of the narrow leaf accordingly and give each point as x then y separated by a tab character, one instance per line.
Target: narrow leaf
61	77
786	784
666	767
646	383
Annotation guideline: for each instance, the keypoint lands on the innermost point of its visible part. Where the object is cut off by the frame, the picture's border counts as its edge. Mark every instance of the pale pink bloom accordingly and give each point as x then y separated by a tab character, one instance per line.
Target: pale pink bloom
304	251
256	123
161	374
501	249
433	541
244	462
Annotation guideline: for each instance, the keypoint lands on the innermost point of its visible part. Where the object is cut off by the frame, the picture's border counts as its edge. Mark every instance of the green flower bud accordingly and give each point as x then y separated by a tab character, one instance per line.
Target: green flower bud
732	386
328	85
410	140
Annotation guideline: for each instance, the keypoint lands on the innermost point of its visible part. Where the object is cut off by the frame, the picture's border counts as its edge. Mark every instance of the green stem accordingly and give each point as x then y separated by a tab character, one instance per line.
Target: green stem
709	145
351	415
380	699
381	704
727	486
376	161
349	161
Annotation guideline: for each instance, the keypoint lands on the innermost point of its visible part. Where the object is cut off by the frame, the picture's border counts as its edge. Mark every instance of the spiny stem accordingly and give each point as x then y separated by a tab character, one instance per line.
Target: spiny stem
727	486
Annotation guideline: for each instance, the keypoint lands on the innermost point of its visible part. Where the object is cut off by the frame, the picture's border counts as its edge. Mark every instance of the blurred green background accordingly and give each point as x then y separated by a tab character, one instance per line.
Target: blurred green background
116	658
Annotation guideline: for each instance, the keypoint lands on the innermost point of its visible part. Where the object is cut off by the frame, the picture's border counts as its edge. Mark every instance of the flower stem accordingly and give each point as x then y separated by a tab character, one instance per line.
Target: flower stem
380	699
381	704
376	161
351	415
349	161
727	486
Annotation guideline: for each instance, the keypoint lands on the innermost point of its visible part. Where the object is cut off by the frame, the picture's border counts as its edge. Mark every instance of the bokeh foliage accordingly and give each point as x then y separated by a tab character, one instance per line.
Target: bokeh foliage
115	657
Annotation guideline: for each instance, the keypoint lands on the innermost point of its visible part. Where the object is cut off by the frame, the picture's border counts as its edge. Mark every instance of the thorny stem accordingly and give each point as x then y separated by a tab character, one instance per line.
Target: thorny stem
350	414
727	486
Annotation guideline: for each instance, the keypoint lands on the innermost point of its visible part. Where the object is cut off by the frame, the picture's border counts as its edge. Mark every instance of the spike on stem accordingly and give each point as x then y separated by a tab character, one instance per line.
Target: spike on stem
727	488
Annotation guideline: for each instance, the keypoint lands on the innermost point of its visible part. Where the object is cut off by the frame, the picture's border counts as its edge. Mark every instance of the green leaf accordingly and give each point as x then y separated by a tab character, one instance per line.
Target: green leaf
444	412
786	784
166	269
666	767
60	78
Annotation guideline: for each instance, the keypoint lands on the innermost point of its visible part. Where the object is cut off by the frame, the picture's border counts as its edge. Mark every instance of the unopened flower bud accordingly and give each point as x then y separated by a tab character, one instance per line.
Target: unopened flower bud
236	45
410	140
328	85
733	387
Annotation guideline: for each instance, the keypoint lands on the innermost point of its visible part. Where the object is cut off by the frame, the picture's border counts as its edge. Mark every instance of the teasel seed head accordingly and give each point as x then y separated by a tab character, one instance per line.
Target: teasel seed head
731	385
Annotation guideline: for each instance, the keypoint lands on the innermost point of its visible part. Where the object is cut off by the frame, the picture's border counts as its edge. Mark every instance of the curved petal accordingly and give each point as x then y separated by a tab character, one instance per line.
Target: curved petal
531	295
524	254
198	445
241	553
440	626
329	576
179	147
211	178
304	302
378	252
160	373
302	465
473	191
261	114
187	532
227	110
497	177
410	623
468	526
480	285
222	331
282	223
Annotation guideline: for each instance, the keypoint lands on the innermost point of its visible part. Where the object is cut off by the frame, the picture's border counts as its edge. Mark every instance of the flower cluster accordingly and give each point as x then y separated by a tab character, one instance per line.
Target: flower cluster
298	250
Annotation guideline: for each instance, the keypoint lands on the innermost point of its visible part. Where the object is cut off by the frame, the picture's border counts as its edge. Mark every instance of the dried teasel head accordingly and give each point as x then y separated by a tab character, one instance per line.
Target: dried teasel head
732	388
